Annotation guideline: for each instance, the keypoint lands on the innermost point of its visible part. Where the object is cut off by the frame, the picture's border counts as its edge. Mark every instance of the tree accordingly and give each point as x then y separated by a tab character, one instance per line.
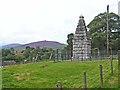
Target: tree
8	54
27	52
64	53
5	52
70	44
97	29
12	51
19	58
98	40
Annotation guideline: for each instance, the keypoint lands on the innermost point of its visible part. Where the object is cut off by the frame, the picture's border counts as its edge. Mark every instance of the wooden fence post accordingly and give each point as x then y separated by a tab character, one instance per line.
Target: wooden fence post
101	77
111	61
85	80
57	54
111	64
119	66
59	85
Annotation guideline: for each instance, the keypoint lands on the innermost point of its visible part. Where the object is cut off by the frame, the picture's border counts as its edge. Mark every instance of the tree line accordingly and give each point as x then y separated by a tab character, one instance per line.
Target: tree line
30	54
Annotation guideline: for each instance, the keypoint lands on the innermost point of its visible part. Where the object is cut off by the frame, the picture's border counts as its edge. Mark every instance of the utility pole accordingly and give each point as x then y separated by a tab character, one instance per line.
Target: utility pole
107	31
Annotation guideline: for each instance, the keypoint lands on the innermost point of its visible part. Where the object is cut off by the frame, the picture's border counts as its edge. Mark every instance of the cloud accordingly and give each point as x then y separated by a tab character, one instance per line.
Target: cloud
25	21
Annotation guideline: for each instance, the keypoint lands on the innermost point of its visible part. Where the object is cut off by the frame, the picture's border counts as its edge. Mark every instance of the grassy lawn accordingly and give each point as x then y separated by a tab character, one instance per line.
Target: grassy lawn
47	74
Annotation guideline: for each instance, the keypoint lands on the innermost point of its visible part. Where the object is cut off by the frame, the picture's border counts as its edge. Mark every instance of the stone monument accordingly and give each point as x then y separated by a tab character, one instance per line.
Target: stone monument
81	42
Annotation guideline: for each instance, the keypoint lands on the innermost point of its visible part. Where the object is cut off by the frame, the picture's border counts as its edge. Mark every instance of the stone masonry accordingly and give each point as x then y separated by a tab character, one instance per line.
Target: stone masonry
81	42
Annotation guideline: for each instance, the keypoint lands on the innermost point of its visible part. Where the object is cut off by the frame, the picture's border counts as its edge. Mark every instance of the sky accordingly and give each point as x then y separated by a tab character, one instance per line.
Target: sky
25	21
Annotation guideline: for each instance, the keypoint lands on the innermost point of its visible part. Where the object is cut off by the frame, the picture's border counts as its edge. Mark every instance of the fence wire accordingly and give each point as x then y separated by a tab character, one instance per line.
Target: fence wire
93	80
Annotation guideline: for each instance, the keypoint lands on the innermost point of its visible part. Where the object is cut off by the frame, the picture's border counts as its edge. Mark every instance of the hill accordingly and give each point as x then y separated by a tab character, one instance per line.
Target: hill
13	45
41	44
47	74
45	44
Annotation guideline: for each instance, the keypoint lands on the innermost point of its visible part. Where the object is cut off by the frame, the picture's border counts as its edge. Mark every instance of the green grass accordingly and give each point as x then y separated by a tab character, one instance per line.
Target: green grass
47	74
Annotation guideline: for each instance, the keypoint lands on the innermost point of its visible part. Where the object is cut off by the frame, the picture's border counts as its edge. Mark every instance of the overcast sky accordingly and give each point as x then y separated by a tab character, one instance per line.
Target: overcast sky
25	21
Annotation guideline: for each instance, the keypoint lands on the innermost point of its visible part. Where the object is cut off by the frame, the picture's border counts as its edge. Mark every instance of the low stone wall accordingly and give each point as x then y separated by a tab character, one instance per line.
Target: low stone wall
10	62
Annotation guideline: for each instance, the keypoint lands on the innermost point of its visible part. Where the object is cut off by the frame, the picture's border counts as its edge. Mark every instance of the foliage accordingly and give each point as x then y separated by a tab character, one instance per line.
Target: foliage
8	54
27	52
5	52
19	58
30	54
70	43
97	29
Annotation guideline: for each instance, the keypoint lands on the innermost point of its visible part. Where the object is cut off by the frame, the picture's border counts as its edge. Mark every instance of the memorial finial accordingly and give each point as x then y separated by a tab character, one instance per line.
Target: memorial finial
81	16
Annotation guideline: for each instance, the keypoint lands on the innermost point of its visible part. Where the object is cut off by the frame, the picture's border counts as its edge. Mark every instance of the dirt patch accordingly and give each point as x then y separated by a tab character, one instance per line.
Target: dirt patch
113	80
21	76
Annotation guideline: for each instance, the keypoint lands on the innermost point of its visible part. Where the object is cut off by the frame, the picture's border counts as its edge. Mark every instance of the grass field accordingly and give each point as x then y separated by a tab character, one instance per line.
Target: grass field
47	74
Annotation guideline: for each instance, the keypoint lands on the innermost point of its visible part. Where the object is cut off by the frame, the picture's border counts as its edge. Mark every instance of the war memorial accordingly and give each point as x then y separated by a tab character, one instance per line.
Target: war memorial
81	42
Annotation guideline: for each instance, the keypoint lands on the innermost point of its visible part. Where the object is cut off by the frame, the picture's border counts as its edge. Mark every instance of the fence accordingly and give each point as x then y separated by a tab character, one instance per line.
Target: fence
95	54
104	72
99	80
85	80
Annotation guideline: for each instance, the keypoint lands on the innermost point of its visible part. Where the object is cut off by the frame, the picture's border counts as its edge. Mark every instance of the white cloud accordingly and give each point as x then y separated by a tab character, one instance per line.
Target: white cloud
25	21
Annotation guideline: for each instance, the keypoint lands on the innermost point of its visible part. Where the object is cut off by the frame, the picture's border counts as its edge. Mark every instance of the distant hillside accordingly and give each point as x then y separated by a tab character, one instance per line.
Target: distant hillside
44	44
52	44
13	45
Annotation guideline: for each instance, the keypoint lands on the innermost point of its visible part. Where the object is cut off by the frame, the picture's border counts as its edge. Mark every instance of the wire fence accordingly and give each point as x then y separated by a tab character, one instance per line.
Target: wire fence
103	72
65	55
95	80
95	55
